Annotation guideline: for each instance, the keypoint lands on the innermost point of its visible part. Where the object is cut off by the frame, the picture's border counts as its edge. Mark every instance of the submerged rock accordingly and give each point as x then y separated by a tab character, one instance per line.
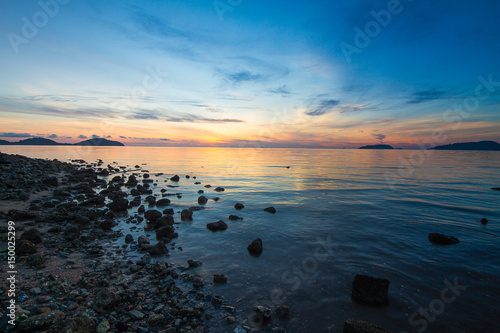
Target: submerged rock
271	210
438	238
217	226
234	218
484	221
194	263
354	325
255	247
369	290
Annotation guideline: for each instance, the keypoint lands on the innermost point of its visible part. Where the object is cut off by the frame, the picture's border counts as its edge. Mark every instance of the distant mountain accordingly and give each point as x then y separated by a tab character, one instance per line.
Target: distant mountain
376	147
99	142
481	145
48	142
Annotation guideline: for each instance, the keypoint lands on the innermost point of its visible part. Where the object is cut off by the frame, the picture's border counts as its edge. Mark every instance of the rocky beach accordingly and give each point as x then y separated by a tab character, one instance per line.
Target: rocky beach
72	273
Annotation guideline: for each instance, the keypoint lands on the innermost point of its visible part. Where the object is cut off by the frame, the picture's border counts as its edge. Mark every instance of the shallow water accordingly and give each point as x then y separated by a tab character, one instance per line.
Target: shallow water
339	213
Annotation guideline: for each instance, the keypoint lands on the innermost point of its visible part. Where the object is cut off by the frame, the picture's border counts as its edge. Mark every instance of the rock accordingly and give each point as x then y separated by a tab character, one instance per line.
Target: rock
164	221
169	211
220	278
33	235
354	325
271	210
24	246
107	224
129	238
74	325
152	215
103	326
219	189
136	314
141	209
217	226
159	248
107	299
282	311
162	202
496	188
103	172
255	247
194	263
262	314
437	238
369	290
156	320
142	240
234	218
202	200
50	180
484	221
175	178
135	192
118	205
145	176
186	215
230	319
132	181
198	282
117	179
164	232
41	322
35	260
239	206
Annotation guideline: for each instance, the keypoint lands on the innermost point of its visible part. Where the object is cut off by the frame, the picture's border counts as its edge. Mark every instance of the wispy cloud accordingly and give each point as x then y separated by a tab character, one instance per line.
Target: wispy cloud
243	76
81	136
324	106
283	90
426	96
15	135
380	137
53	136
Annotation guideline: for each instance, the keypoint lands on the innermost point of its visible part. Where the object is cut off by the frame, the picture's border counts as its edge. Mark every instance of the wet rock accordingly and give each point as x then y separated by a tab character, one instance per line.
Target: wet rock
141	209
162	202
32	235
271	210
496	188
484	221
438	238
42	321
255	247
234	218
24	246
169	211
50	180
103	172
107	224
74	325
239	206
202	200
219	189
103	326
175	178
186	215
118	205
135	192
159	248
142	240
369	290
282	311
220	278
136	202
164	232
194	263
117	179
217	226
156	320
152	215
129	238
151	200
354	325
136	314
262	314
198	282
107	299
230	319
164	221
35	260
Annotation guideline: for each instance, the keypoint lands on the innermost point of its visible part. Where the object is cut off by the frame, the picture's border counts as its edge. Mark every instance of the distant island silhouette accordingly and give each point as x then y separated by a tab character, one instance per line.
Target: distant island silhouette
481	145
99	142
376	147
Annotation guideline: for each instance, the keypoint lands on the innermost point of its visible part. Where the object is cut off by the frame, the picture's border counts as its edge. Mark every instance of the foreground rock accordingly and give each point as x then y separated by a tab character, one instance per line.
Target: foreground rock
354	325
370	290
256	247
41	322
442	239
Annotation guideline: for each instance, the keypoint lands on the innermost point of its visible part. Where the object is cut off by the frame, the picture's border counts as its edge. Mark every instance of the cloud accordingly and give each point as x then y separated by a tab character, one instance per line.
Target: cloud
53	136
81	136
15	135
122	137
108	137
165	140
95	136
144	115
426	95
283	90
380	137
323	107
243	76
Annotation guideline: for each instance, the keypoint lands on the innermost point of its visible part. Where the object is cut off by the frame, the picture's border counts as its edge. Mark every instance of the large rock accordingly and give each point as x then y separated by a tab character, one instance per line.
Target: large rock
41	322
256	247
175	178
159	248
118	205
107	299
24	246
74	325
164	232
132	181
437	238
152	215
239	206
354	325
151	200
271	210
162	202
202	200
217	226
234	217
369	290
164	221
32	235
186	215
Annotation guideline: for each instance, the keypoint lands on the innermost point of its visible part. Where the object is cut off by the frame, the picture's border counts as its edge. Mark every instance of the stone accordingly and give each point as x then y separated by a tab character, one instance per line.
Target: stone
35	260
484	221
262	314
74	325
159	248
186	215
129	238
141	209
152	215
136	314
239	206
271	210
164	221
24	246
217	226
107	224
50	180
194	263
202	200
156	320
175	178
198	282
441	239
369	290
162	202
255	247
219	189
118	205
103	326
32	235
282	311
143	240
107	299
41	321
220	278
234	218
230	319
354	325
164	232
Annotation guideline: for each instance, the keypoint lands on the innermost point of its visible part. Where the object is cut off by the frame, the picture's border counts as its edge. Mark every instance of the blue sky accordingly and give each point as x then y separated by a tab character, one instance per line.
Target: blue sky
243	73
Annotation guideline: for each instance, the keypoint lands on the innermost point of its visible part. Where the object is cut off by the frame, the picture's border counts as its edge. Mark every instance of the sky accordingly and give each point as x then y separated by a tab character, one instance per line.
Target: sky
240	73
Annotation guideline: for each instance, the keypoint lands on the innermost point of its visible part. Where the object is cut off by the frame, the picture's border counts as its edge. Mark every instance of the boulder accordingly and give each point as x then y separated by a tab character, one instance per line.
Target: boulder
484	221
369	290
271	210
169	211
186	215
24	246
141	209
41	322
234	218
202	200
129	238
151	200
239	206
255	247
162	202
142	240
354	325
118	204
164	232
441	239
217	226
164	221
175	178
152	215
159	248
32	235
219	189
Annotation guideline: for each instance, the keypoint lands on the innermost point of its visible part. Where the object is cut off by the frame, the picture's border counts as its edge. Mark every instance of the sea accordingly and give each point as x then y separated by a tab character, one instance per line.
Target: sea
339	212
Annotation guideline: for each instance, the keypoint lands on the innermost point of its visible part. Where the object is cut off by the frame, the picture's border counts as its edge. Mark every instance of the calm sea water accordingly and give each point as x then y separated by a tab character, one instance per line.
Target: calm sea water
339	213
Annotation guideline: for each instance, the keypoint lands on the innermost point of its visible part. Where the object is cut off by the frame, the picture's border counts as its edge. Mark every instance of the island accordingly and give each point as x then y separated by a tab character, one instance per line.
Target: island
99	142
380	146
481	145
